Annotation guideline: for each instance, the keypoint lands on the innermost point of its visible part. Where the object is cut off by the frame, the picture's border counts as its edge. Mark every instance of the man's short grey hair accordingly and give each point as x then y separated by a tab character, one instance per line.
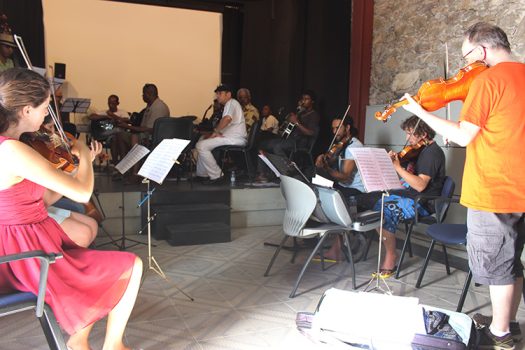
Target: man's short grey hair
246	91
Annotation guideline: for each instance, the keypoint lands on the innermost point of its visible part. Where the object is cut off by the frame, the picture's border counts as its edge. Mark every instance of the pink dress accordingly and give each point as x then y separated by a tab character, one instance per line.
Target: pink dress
83	286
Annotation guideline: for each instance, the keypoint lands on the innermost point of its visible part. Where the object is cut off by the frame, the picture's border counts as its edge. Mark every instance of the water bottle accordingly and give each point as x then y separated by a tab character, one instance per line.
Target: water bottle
352	208
232	178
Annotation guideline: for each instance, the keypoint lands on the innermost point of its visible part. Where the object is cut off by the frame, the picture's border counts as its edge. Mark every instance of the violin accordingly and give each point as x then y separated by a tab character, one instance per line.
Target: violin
52	148
435	94
411	152
336	149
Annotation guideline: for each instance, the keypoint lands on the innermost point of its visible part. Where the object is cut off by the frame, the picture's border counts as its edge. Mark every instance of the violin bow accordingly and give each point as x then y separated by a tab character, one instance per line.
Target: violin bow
56	120
447	108
339	127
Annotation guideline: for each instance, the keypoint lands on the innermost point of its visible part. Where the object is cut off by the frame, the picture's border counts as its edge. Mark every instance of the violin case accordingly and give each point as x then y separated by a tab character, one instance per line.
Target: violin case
351	319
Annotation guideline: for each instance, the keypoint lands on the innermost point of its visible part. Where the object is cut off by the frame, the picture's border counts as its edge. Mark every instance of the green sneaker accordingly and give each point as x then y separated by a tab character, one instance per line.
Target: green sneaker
488	341
485	321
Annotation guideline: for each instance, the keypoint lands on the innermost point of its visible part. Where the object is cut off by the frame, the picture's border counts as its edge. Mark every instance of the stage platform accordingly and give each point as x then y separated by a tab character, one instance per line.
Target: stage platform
181	202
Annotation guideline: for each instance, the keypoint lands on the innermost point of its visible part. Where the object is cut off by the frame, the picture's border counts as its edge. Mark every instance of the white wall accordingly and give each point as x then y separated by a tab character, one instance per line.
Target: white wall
115	48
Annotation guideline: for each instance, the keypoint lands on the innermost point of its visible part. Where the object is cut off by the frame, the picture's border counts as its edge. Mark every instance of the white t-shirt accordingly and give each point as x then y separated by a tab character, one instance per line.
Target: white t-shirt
270	124
237	127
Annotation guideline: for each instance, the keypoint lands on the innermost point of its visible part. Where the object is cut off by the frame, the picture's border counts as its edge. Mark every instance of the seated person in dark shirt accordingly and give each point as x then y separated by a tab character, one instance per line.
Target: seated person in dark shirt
425	176
306	128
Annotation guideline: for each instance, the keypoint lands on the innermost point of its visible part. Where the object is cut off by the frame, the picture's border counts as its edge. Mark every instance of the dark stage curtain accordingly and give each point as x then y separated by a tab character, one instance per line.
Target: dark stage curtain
26	20
293	45
232	24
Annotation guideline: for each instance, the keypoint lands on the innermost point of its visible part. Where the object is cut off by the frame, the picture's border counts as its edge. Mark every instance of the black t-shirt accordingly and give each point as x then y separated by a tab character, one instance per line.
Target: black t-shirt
431	162
310	120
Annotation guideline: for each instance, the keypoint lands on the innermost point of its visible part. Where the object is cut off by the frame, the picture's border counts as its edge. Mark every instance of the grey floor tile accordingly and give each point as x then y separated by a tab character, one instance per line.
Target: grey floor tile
235	306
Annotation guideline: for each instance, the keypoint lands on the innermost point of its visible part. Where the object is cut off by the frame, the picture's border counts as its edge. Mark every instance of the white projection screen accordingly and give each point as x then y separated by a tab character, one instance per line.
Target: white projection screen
115	48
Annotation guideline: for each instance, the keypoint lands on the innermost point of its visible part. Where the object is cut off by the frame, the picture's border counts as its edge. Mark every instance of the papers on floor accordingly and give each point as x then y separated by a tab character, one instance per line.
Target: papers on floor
369	318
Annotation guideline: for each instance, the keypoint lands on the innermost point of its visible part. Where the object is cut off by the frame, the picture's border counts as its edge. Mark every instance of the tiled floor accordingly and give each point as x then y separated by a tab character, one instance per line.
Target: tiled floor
235	307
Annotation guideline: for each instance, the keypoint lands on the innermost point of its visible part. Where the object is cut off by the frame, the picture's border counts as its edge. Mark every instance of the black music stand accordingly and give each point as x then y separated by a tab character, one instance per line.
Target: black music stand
75	105
133	156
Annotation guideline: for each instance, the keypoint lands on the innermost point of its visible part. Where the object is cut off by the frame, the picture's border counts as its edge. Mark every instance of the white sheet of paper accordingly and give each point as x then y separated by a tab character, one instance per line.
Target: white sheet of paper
134	155
162	158
370	318
270	165
376	169
322	181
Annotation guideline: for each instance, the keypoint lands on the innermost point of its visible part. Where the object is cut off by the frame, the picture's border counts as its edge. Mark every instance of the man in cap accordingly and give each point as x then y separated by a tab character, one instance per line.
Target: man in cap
7	45
231	130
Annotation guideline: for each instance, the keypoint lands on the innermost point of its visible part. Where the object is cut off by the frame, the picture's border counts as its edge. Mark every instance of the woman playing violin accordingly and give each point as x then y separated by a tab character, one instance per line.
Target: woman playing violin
427	177
86	285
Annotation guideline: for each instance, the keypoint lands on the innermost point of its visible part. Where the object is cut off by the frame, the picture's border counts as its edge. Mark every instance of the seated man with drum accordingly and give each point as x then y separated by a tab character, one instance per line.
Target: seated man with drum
103	127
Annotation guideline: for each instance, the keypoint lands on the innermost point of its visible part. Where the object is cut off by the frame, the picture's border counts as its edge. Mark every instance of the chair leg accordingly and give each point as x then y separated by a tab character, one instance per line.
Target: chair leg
249	165
225	153
305	266
464	292
295	249
351	258
425	264
447	266
406	245
52	332
367	248
285	238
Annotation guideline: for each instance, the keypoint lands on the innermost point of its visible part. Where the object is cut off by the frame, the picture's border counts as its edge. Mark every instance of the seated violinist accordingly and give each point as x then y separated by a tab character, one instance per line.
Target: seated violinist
427	178
338	165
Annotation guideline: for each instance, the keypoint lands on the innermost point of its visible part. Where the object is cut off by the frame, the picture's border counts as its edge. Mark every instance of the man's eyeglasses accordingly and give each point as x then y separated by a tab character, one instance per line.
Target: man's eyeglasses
474	48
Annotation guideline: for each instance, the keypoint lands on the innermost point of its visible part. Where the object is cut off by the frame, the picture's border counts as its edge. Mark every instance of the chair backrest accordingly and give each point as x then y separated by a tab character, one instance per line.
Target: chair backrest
300	203
446	192
170	128
252	135
334	206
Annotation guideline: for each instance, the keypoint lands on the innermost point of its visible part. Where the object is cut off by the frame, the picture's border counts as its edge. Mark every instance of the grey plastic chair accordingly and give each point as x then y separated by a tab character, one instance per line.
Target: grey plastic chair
301	201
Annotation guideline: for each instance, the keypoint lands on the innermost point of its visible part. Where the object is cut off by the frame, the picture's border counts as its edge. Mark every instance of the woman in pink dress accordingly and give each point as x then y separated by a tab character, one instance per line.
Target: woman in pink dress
85	285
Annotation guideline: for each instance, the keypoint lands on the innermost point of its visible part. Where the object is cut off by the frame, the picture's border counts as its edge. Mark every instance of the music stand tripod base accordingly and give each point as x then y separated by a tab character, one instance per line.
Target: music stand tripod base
377	277
152	263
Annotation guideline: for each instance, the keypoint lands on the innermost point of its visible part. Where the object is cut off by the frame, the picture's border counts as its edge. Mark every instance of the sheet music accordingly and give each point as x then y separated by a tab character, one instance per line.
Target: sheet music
376	169
160	161
134	155
269	164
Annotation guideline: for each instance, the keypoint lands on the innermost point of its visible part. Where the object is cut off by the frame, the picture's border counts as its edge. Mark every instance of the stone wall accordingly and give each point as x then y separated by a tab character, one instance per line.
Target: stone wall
410	36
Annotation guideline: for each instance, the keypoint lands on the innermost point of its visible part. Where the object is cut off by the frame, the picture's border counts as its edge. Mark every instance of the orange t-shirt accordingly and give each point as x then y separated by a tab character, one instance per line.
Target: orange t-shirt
494	174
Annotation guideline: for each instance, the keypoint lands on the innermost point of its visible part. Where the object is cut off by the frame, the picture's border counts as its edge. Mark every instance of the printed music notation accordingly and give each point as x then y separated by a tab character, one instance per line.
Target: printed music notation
376	169
136	153
159	163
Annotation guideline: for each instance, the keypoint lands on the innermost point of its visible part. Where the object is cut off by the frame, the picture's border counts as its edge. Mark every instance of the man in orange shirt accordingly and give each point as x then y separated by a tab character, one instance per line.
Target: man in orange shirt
492	127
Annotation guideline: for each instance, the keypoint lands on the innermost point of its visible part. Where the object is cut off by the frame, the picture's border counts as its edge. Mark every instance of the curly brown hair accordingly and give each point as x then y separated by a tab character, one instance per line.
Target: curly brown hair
422	127
20	87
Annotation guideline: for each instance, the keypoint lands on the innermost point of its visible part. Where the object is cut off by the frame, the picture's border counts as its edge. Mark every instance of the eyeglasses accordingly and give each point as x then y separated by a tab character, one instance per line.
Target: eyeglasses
474	48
